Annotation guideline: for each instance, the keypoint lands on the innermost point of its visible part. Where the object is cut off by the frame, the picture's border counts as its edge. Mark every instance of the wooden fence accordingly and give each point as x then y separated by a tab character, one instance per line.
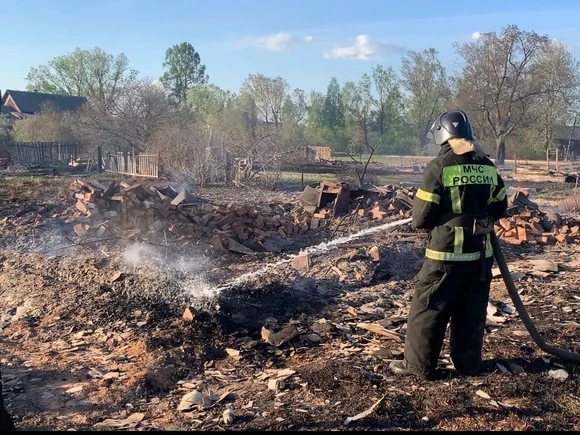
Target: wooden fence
319	153
41	152
138	165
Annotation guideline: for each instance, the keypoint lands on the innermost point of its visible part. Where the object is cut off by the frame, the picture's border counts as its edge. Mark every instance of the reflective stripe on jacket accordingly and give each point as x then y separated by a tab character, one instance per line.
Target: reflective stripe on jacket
453	186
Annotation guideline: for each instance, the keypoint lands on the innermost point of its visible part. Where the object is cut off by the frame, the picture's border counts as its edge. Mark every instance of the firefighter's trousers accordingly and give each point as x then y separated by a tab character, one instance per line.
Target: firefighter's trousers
448	292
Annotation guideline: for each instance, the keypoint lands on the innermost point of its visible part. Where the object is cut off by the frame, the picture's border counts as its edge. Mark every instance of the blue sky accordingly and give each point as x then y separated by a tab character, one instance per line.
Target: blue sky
306	42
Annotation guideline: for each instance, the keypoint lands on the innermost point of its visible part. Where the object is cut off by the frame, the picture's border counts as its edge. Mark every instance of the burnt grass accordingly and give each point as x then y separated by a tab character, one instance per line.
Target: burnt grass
83	289
336	387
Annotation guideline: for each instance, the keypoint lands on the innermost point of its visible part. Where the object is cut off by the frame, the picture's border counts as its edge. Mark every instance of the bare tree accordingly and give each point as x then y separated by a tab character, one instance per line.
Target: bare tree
558	75
5	128
295	107
425	78
241	132
268	94
49	125
358	103
133	120
260	148
185	153
94	73
498	85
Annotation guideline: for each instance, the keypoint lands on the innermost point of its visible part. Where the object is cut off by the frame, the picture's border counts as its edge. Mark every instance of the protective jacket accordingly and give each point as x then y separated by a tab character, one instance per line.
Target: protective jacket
459	186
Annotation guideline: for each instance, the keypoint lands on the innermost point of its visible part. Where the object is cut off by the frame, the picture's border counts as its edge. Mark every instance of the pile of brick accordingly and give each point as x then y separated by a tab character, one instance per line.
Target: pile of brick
122	210
132	211
119	209
529	227
526	224
387	201
331	200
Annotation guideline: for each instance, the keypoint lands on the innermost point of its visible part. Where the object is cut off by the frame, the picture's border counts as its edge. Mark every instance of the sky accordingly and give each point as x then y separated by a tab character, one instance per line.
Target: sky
306	42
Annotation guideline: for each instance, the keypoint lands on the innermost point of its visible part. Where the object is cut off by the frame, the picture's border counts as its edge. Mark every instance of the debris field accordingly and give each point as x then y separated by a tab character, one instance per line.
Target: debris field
123	309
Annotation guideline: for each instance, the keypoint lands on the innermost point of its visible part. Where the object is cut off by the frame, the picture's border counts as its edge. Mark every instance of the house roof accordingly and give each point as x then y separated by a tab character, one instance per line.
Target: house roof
31	102
8	112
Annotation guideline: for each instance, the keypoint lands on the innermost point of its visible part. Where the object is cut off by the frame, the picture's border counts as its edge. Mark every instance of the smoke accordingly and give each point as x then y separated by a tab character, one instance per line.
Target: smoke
321	247
185	271
139	254
135	254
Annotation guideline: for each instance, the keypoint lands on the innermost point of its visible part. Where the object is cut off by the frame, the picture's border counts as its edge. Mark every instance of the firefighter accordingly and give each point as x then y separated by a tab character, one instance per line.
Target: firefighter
460	197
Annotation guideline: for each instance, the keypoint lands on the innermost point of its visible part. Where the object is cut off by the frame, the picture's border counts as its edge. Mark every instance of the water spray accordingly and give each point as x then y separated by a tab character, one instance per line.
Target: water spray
321	247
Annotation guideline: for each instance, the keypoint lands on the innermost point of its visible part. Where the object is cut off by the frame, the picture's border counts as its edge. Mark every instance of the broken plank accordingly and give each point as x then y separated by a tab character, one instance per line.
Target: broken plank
378	329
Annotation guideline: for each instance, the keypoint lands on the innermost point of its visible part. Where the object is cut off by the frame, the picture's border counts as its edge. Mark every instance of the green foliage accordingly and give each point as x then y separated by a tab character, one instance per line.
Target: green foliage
295	107
360	116
268	94
184	71
426	81
332	113
315	113
526	144
50	125
207	102
95	74
390	110
5	132
384	112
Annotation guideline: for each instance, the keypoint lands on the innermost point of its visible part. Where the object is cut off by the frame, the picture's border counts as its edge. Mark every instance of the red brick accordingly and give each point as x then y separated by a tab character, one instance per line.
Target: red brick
301	263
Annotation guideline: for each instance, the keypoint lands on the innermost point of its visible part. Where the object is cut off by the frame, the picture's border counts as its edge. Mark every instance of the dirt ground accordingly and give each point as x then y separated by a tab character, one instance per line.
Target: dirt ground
92	336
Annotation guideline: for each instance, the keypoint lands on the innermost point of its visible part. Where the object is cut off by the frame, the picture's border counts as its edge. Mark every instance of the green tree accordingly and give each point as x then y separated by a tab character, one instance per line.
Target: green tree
184	71
389	98
390	125
558	73
49	125
293	133
268	94
330	119
359	104
333	108
295	107
207	102
352	105
499	83
5	131
315	113
95	74
426	81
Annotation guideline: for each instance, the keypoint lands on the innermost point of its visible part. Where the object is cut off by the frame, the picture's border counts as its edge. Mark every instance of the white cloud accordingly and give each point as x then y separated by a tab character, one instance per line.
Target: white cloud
279	41
476	35
364	48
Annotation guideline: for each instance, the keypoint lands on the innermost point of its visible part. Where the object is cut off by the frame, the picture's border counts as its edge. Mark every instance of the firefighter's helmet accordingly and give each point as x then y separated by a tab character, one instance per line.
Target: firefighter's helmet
451	125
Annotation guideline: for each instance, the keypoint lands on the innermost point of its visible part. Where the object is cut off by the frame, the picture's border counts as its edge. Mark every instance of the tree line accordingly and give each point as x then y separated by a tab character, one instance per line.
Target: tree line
518	87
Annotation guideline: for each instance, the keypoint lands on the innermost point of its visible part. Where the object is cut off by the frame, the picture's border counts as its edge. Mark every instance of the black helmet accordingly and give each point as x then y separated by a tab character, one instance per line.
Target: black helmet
451	125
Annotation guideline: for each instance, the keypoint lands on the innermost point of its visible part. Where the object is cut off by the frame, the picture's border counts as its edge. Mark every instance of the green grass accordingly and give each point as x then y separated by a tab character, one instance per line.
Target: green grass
381	180
390	160
296	177
407	161
31	188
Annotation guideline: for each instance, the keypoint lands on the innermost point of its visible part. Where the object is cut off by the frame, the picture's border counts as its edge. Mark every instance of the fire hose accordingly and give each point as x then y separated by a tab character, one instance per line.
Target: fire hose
513	292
